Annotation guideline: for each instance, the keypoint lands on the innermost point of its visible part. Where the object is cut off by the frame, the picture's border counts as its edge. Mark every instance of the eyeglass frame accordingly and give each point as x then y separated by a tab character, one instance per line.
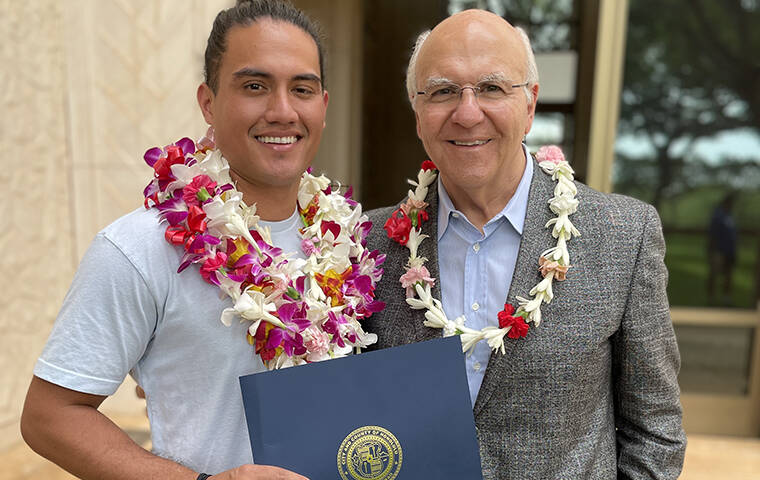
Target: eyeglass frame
476	90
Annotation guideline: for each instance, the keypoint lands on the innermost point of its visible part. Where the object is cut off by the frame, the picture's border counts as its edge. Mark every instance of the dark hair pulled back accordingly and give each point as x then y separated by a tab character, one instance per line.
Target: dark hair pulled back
246	12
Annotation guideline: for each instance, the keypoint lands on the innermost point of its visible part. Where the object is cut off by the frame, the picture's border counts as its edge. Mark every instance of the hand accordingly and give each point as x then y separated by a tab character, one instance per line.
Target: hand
257	472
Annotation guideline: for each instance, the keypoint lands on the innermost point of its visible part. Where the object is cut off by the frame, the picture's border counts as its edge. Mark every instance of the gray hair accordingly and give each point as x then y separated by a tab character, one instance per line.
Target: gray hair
531	68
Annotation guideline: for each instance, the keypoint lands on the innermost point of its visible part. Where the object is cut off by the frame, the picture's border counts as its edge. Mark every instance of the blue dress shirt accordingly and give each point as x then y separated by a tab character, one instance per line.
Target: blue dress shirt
476	268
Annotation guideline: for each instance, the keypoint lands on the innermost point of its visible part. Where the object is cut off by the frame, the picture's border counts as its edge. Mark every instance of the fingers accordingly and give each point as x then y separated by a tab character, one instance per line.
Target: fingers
258	472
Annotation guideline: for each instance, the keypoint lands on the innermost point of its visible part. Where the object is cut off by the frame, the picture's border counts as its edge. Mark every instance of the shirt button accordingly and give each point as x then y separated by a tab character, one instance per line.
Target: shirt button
455	215
476	366
476	247
475	306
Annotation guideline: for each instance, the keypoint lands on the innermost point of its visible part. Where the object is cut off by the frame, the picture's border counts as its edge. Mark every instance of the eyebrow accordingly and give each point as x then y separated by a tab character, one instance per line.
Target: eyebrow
494	77
252	72
437	81
489	77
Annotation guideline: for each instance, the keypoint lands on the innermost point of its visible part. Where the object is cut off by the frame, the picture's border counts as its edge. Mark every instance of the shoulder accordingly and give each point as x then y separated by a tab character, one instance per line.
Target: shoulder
138	221
377	239
378	216
611	212
139	237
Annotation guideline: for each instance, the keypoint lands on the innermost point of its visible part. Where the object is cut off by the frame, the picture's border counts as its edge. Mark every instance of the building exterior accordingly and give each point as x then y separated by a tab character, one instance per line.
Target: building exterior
647	98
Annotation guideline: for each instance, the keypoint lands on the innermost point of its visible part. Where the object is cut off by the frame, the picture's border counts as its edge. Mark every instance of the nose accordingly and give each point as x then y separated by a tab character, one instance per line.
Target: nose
279	107
467	112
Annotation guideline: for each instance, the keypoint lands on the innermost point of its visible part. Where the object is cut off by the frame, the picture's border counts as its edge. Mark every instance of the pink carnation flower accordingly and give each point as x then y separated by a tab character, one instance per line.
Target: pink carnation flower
318	344
414	275
413	204
550	153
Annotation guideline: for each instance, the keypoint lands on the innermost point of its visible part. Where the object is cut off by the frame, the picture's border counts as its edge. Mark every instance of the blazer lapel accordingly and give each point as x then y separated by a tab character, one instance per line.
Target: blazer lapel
535	239
429	249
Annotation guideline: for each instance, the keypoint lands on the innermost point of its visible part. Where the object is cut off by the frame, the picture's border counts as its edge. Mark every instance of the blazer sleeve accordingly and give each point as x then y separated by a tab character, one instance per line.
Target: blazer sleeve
650	437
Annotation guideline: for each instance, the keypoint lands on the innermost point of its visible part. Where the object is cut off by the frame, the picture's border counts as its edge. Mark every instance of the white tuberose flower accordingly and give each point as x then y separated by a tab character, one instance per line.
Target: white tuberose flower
252	306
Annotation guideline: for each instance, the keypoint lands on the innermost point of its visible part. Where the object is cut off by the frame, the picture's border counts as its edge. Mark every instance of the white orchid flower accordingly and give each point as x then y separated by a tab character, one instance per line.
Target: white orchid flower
225	219
252	306
184	173
229	287
338	258
216	167
364	339
310	186
253	328
314	293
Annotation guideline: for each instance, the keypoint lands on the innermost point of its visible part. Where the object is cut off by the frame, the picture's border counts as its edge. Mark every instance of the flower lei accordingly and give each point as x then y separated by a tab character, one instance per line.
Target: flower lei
299	310
404	227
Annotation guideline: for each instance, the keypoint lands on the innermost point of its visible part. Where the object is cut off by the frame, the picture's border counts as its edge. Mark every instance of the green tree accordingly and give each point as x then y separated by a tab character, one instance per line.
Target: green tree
692	70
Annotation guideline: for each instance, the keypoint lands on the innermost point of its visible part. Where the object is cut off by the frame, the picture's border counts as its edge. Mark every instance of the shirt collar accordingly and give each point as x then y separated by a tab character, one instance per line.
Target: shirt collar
514	211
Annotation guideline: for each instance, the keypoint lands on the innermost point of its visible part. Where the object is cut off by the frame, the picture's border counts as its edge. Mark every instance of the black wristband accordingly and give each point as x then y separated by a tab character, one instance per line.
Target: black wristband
203	476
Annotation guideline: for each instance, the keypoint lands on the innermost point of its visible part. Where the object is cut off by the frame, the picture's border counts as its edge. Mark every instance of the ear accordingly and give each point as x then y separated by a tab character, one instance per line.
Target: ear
532	109
205	98
417	121
325	99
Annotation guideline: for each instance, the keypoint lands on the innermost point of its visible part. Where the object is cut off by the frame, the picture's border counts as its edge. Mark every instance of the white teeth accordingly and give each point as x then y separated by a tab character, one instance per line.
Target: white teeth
281	140
470	144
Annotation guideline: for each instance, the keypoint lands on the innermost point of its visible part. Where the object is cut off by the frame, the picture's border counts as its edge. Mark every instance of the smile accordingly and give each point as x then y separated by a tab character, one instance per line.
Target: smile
278	140
472	143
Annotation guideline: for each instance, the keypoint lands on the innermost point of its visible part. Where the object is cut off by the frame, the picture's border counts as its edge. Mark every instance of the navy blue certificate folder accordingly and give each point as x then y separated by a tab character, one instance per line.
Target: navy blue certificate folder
401	413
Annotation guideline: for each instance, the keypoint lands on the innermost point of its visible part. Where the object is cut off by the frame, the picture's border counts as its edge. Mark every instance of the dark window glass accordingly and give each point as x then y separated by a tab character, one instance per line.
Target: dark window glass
689	142
553	29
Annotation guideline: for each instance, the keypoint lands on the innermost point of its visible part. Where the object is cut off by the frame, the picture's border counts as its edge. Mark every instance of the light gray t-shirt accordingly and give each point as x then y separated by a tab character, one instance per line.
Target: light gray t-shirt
128	311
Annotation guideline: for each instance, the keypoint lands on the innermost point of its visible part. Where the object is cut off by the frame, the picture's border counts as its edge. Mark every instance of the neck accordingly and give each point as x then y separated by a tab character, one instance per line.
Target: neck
273	203
480	204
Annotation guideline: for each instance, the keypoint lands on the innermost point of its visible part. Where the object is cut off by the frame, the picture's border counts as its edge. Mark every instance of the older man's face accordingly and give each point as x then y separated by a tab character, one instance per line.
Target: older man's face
475	143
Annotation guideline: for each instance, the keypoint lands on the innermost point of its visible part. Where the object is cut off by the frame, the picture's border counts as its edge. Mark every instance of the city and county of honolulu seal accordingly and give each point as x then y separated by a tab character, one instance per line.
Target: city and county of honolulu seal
369	453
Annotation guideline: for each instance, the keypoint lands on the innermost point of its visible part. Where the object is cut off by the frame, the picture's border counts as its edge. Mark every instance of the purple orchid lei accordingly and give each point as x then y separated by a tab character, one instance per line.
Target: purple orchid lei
299	310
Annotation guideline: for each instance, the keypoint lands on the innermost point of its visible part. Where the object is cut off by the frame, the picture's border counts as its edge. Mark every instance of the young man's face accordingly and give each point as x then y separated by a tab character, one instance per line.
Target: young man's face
269	109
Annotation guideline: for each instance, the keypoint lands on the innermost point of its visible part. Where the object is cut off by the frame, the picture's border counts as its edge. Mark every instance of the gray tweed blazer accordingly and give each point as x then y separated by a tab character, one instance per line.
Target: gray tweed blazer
591	393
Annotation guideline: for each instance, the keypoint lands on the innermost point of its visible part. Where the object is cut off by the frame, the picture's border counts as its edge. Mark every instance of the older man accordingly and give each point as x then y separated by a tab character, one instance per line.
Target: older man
579	381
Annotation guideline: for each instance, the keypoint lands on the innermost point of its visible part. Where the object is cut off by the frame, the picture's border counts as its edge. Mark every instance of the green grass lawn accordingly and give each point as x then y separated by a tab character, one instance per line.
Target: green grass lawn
687	264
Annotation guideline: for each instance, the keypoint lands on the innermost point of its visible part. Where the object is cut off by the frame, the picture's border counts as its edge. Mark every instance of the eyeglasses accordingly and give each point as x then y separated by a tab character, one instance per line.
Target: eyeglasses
485	92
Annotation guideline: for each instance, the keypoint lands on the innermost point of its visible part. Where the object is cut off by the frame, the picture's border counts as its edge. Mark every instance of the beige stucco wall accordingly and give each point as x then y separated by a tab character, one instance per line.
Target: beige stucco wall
87	87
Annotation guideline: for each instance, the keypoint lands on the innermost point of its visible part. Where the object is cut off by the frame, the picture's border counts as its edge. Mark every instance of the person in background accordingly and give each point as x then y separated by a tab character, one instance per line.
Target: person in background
721	250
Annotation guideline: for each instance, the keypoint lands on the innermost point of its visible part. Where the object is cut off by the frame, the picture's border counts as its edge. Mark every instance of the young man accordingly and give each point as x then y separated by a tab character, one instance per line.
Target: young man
590	393
129	311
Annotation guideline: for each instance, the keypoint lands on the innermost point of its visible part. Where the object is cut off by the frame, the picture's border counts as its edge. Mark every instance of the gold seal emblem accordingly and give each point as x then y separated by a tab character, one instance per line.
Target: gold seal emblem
369	453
